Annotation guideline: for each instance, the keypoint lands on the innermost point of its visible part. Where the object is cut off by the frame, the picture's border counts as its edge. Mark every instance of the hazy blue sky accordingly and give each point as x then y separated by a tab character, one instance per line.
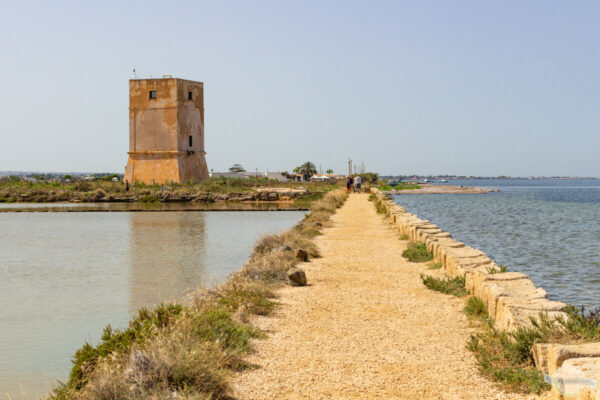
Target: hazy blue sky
458	87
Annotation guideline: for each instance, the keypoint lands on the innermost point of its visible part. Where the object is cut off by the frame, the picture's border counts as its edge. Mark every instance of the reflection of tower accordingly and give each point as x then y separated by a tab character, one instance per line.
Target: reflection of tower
167	253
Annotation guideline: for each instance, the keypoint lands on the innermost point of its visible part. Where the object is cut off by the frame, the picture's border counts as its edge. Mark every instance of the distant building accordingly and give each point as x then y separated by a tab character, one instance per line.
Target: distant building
226	175
324	178
166	131
271	175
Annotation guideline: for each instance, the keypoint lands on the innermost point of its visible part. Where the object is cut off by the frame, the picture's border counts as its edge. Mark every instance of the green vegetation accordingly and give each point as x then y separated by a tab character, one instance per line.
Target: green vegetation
379	206
188	351
417	252
310	197
476	309
148	199
404	237
454	286
307	169
437	265
501	268
506	357
13	189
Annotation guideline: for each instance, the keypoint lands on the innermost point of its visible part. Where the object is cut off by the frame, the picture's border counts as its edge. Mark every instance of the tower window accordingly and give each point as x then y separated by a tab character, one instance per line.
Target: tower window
190	140
153	94
190	97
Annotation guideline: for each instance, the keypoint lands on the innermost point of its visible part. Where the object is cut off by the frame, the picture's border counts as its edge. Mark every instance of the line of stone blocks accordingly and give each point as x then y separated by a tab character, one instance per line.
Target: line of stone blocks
511	299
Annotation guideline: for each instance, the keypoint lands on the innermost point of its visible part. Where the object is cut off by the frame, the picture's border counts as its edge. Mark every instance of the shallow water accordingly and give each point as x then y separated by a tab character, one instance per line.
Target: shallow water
156	206
65	275
548	229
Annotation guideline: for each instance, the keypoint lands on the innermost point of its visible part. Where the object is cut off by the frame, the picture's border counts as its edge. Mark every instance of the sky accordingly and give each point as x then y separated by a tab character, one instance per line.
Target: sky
405	87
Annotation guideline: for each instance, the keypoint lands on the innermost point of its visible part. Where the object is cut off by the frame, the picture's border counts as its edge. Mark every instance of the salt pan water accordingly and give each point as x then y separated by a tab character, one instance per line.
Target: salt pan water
549	229
65	275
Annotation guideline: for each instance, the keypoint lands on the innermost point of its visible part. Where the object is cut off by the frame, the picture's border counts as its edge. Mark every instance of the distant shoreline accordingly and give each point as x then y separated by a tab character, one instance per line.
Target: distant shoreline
443	189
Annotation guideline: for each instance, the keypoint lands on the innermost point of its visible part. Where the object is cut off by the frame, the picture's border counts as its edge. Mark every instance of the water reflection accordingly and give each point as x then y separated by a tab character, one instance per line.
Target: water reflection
167	256
65	275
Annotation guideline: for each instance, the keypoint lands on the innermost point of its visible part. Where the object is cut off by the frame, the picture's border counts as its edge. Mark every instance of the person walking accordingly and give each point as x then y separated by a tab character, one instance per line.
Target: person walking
348	183
357	183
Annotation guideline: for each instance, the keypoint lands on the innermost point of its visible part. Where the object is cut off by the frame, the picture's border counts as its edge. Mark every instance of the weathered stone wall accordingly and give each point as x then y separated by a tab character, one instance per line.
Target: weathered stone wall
511	299
160	129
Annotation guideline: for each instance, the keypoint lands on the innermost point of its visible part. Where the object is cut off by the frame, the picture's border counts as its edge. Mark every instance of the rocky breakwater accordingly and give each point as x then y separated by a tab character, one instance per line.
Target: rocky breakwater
511	299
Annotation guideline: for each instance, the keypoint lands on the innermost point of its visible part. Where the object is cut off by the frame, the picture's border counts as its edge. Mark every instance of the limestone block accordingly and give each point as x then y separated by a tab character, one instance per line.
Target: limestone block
577	379
456	259
421	232
489	287
442	245
540	356
512	313
549	357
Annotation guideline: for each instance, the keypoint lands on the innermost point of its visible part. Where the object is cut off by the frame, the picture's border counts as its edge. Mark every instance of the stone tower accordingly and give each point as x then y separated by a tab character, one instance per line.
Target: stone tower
166	131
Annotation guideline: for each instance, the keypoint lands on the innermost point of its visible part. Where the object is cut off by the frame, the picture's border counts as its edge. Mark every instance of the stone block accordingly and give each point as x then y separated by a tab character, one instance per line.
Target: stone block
577	379
549	357
512	313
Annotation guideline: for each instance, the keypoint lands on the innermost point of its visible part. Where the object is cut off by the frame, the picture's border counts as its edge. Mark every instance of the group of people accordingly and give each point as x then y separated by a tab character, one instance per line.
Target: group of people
354	184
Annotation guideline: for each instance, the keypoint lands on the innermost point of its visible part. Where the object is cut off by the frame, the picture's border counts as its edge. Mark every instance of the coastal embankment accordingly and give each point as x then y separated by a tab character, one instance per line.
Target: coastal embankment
366	326
562	341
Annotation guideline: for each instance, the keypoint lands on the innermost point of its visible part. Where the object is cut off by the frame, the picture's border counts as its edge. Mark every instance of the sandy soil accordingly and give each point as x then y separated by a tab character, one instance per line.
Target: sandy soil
445	189
366	327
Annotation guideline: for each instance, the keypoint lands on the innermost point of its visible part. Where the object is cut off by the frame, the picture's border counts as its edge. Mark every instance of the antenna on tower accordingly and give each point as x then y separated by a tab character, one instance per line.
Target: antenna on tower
134	75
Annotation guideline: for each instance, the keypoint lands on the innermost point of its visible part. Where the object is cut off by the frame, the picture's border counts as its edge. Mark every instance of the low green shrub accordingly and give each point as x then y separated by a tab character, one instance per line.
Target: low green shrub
417	252
404	237
380	207
506	358
476	309
437	265
453	286
148	199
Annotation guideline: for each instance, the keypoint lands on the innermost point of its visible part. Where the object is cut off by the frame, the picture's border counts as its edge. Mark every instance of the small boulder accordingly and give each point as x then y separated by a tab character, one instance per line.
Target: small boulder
302	255
296	276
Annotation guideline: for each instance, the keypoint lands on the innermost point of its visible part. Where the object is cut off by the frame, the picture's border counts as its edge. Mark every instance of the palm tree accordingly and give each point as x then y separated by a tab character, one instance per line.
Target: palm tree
308	169
329	171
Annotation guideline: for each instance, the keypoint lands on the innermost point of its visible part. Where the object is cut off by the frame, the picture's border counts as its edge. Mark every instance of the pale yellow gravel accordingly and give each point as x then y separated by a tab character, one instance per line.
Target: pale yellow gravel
366	327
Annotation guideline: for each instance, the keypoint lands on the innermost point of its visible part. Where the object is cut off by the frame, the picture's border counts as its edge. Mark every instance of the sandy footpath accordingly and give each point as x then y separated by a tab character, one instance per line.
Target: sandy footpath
366	327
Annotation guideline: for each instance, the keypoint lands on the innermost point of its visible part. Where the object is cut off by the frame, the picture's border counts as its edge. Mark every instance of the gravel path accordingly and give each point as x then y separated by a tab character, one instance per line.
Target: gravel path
366	327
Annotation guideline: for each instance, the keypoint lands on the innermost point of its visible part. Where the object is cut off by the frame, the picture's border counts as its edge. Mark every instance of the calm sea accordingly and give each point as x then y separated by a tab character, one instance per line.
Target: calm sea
65	275
549	229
